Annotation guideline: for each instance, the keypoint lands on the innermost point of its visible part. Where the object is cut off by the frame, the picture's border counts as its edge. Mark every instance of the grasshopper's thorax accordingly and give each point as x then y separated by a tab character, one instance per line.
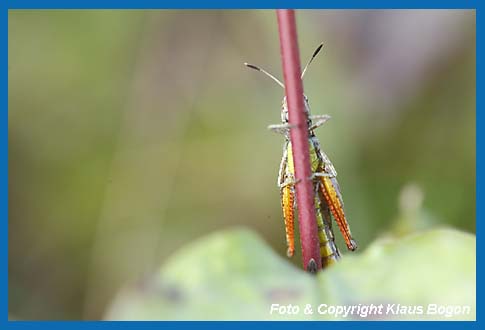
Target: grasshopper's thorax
313	143
314	158
284	111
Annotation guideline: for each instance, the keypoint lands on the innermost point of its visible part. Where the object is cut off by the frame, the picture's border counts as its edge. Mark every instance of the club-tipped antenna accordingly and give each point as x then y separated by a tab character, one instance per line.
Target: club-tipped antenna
265	72
315	53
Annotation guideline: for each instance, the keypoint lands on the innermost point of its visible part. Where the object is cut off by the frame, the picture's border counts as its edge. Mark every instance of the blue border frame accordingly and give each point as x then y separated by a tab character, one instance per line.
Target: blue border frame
261	4
219	4
479	162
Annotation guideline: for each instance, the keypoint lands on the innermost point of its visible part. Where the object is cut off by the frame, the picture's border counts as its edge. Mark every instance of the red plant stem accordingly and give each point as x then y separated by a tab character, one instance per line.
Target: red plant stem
299	137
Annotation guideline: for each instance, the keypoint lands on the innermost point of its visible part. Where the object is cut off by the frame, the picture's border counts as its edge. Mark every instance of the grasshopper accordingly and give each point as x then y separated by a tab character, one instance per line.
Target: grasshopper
328	199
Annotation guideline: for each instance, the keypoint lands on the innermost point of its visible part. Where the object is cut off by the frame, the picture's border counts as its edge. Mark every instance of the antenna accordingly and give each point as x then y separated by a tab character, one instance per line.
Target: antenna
265	72
315	53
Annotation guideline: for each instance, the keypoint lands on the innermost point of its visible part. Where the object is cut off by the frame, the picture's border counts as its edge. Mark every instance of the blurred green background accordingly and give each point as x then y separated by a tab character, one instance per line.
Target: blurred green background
131	133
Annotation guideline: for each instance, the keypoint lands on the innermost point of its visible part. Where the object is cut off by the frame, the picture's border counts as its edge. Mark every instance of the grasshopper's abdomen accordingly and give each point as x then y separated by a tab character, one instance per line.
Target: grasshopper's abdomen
329	252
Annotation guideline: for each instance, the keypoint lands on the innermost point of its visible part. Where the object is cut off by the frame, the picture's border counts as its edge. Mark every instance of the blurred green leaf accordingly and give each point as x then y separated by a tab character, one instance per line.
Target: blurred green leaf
235	275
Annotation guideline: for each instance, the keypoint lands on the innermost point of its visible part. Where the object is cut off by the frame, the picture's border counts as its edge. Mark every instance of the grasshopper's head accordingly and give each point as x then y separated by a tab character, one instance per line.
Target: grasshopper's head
284	109
284	106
